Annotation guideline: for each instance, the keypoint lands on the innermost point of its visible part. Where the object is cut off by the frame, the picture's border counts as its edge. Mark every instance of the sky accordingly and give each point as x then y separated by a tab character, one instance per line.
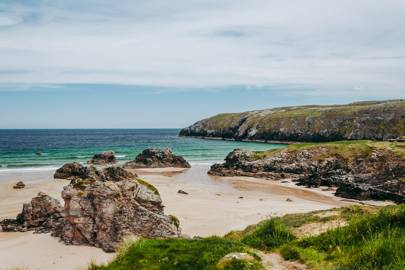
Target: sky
142	64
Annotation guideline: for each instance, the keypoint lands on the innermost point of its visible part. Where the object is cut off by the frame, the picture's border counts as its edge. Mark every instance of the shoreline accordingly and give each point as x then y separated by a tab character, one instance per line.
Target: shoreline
242	140
239	202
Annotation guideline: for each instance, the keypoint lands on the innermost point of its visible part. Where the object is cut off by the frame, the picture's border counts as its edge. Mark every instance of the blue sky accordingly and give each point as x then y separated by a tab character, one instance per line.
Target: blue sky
169	63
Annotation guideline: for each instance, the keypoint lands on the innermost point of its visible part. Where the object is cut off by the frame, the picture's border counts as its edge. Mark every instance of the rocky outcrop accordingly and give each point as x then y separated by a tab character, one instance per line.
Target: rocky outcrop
377	120
101	213
71	171
360	170
100	210
42	214
104	158
157	158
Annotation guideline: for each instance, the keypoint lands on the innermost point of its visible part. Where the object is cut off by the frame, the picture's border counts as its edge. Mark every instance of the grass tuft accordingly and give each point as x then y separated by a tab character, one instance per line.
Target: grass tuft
268	235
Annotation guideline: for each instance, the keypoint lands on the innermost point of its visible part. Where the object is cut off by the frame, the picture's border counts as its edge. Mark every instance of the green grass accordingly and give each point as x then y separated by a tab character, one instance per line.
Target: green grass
348	150
268	235
179	254
373	239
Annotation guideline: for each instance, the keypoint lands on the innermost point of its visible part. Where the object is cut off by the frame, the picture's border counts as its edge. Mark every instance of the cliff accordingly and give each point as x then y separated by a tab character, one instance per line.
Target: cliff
375	120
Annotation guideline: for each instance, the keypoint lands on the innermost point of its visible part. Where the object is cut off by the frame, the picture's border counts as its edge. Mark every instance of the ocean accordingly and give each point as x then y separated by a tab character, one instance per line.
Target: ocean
40	148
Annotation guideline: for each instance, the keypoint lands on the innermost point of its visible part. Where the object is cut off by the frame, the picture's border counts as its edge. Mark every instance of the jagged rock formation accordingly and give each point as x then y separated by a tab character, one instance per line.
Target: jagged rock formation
360	169
71	171
157	158
104	158
377	120
100	209
42	214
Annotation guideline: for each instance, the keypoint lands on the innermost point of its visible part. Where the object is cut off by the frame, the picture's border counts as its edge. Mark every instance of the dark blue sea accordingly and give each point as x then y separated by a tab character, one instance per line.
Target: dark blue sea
51	148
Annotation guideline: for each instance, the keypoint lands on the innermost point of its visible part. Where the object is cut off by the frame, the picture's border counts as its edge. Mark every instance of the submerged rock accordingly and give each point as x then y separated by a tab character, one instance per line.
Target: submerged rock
104	158
360	170
157	158
100	209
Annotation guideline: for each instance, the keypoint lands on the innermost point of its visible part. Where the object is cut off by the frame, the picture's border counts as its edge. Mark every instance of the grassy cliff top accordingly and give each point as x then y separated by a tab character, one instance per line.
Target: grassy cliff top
225	120
349	150
377	120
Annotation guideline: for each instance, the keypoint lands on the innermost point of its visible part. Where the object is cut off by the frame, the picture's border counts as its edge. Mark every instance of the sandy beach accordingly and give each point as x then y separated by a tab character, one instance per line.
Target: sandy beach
214	206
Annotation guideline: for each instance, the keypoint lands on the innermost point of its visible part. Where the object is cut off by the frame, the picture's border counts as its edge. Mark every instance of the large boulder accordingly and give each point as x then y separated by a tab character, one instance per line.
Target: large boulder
74	171
157	158
71	171
42	214
104	158
101	214
112	173
100	210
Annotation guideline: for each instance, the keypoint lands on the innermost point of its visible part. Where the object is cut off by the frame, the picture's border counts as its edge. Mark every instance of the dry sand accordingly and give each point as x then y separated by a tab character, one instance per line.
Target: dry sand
214	206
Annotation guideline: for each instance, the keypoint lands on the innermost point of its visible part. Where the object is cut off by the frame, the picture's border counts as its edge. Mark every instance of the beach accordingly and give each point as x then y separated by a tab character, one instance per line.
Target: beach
213	206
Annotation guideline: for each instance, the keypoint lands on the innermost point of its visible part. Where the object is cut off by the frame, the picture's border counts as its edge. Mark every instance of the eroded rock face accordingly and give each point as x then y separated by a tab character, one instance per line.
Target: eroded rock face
375	120
157	158
104	158
42	214
102	213
374	174
71	171
99	210
74	171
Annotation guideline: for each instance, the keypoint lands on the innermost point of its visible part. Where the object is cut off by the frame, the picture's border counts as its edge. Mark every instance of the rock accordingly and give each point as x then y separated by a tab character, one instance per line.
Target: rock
359	170
182	192
71	171
157	158
374	120
102	213
241	197
74	171
112	173
104	158
101	209
235	258
42	214
19	185
288	200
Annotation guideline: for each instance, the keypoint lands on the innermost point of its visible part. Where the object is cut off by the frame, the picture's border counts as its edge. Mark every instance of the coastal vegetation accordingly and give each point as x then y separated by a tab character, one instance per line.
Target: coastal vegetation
359	169
364	238
376	120
348	150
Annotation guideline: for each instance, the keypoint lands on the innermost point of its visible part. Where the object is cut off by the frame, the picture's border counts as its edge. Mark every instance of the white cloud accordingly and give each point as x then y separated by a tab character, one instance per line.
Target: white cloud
325	44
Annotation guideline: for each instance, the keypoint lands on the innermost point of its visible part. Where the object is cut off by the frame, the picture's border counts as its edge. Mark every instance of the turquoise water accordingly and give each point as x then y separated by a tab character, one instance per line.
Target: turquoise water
51	148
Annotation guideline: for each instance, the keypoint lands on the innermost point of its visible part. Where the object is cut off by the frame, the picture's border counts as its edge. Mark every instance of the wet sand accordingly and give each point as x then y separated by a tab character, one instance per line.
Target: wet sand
214	206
